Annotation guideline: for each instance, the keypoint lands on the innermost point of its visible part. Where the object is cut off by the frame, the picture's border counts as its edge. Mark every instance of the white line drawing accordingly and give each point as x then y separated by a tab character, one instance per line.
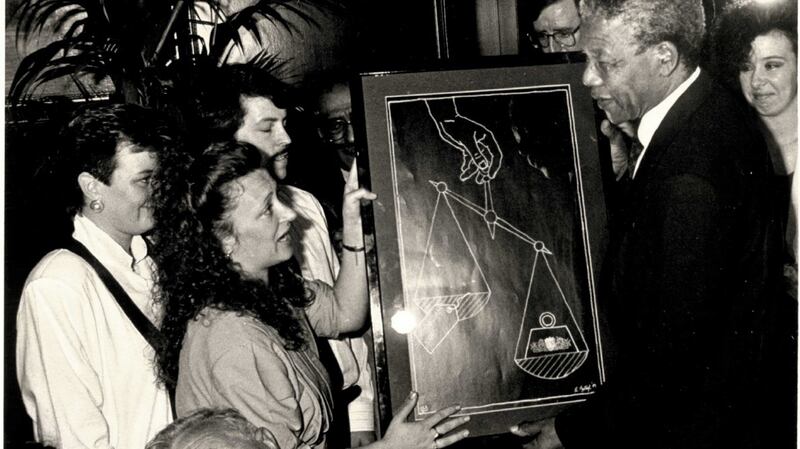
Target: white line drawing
547	349
443	307
481	155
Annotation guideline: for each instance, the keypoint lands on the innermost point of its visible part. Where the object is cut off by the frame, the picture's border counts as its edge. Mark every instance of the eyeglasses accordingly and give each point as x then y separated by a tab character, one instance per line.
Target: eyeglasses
335	130
563	37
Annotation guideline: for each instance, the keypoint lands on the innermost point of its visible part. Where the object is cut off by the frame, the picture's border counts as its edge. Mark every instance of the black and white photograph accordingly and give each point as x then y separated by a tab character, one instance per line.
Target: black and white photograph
419	224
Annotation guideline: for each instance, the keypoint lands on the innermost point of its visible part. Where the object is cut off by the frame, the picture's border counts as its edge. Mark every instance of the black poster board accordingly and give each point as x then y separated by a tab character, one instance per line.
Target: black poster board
487	231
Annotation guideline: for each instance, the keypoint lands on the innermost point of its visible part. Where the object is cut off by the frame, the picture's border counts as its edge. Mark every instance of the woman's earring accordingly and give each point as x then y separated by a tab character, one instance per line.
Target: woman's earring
228	245
96	205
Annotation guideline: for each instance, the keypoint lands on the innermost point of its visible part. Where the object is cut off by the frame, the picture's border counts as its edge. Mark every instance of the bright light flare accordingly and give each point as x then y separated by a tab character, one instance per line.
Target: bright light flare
404	322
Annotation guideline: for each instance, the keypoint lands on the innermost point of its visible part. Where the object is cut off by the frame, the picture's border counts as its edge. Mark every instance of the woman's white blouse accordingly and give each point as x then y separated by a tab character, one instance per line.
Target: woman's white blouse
86	374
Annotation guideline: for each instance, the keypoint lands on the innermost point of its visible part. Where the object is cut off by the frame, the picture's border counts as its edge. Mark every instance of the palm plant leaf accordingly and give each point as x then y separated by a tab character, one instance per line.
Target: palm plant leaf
114	35
55	60
53	73
271	63
31	67
34	15
247	20
248	17
274	11
121	38
75	28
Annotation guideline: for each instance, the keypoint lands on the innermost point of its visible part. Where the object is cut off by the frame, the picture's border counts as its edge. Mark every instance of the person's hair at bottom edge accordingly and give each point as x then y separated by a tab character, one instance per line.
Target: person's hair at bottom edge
212	428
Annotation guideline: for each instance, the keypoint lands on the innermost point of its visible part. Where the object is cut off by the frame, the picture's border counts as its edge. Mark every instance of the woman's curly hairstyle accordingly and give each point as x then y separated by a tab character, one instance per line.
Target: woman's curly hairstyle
191	199
733	33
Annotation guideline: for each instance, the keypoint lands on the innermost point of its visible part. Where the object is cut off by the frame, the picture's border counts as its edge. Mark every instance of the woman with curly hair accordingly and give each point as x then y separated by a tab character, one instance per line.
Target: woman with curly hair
754	49
238	318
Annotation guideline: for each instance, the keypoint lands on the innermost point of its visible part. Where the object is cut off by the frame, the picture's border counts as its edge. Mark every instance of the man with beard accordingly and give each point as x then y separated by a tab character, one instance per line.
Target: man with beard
247	104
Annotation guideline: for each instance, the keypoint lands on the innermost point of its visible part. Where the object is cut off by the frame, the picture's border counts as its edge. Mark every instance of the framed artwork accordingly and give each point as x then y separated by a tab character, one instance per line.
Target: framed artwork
488	229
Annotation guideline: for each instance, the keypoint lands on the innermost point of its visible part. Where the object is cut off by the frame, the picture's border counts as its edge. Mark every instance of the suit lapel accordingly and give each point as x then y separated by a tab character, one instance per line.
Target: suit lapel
671	126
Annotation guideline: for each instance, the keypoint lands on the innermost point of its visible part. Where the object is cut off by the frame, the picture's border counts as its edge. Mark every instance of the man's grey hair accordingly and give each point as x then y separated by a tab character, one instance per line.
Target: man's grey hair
681	22
210	422
540	5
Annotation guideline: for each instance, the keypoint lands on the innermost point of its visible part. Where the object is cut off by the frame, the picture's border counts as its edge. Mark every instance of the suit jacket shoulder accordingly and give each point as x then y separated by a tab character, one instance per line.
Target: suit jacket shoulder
706	131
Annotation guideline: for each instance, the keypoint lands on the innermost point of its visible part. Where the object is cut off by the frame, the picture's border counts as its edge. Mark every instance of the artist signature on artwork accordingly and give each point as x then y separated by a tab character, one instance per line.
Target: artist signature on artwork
588	388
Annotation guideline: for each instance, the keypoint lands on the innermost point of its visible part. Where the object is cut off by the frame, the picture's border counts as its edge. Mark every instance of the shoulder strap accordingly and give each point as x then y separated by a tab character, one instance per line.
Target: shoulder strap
139	320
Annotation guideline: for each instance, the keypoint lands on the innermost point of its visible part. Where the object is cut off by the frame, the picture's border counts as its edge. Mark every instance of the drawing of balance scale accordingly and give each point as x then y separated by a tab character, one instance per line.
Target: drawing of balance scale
452	287
550	344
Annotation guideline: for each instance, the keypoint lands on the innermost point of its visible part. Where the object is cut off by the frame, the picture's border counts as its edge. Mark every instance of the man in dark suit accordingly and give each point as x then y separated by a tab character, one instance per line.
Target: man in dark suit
691	259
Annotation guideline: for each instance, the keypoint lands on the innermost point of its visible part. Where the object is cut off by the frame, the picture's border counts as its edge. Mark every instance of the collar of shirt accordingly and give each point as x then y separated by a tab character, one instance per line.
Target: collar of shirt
652	119
108	252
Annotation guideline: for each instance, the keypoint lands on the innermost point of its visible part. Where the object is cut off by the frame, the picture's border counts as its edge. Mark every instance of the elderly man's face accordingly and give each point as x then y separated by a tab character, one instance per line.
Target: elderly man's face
625	83
335	128
558	27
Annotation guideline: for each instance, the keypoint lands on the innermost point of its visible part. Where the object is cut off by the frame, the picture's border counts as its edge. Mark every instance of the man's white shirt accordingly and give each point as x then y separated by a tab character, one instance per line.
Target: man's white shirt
652	119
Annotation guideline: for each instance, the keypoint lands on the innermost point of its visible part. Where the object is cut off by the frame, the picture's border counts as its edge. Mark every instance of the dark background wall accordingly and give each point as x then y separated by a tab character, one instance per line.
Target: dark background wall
33	226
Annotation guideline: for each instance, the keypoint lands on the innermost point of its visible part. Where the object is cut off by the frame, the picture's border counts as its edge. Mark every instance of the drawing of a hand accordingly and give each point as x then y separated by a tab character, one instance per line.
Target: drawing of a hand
481	155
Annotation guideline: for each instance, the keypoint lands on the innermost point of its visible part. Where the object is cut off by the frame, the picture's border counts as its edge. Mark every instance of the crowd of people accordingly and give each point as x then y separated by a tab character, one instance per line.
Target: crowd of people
207	303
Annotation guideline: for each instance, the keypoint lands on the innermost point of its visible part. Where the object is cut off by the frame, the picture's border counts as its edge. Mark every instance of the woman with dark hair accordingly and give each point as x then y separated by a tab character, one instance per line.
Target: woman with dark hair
239	320
754	49
83	367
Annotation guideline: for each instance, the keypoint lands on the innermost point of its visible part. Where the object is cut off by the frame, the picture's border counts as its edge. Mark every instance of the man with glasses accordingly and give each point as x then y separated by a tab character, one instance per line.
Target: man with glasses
557	26
247	104
333	110
334	124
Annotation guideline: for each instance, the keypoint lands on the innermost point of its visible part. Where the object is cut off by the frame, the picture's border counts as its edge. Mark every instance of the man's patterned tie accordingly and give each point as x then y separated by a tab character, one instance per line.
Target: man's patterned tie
633	155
